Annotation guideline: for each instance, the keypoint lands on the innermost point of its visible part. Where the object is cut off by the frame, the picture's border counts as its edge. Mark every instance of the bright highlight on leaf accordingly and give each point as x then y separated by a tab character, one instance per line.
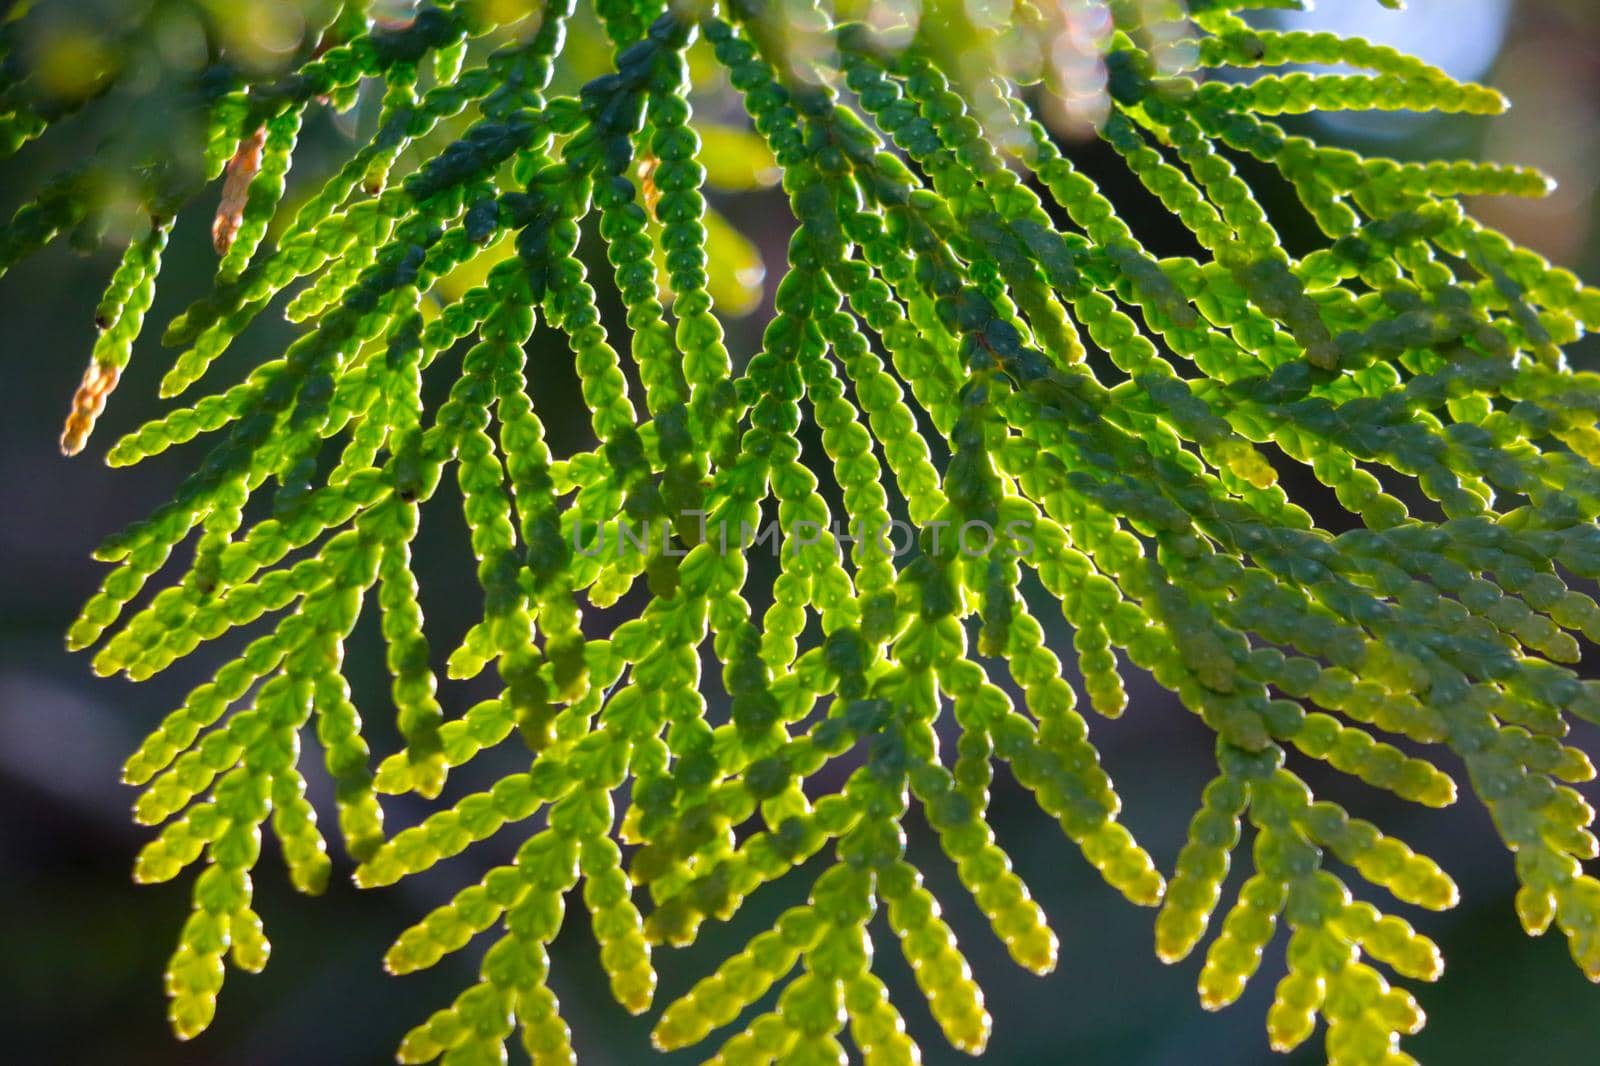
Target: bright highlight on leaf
1008	386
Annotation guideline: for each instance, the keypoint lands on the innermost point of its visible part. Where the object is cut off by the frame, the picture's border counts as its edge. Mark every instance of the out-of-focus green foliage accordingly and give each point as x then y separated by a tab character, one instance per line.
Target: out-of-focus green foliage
991	356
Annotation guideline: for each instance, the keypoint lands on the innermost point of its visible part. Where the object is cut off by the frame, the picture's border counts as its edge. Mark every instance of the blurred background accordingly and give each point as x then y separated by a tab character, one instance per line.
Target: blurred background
83	948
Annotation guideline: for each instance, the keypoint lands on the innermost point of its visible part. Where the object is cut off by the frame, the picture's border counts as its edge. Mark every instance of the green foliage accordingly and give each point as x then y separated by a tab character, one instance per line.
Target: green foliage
984	345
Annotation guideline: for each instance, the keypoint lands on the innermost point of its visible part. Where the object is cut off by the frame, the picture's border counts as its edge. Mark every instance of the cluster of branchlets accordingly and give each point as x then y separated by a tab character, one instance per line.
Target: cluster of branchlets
940	297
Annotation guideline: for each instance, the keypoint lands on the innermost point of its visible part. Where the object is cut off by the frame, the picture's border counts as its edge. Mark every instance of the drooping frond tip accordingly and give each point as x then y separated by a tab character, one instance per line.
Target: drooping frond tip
1011	390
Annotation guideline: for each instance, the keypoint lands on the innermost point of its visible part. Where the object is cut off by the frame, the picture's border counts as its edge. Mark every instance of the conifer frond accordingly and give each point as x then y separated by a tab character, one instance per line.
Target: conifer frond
992	357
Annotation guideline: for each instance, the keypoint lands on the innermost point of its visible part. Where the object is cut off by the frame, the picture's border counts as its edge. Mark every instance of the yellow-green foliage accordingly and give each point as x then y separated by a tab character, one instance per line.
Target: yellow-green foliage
981	340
